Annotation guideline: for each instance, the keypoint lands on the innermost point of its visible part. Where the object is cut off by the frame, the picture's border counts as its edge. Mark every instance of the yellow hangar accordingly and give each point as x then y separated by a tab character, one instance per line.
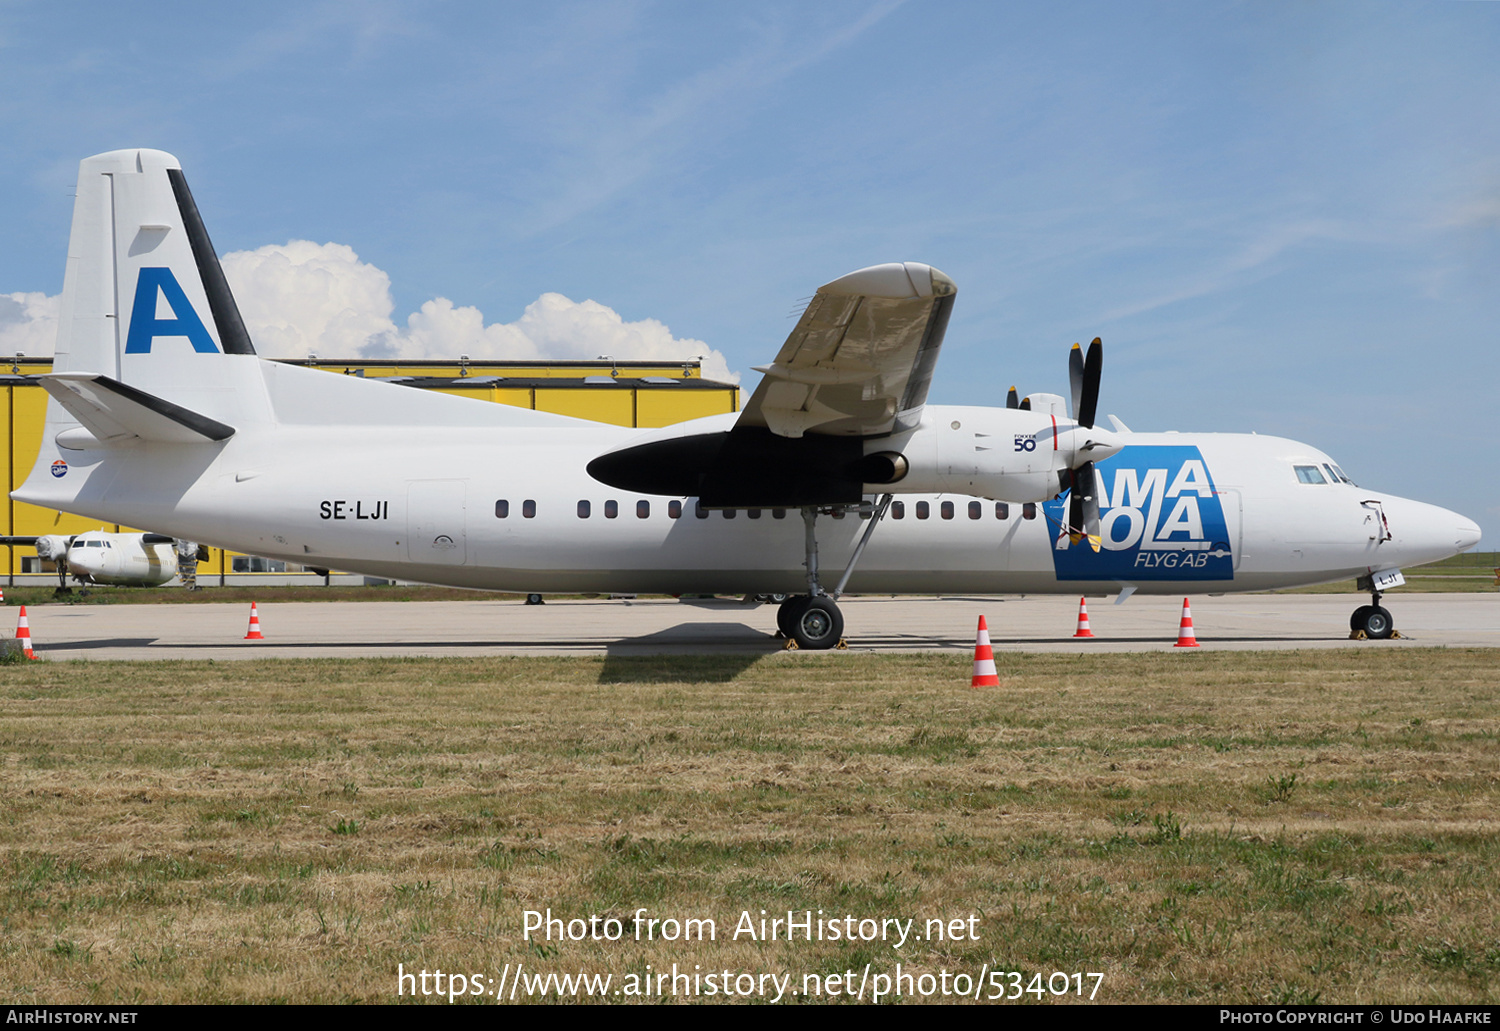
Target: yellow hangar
625	393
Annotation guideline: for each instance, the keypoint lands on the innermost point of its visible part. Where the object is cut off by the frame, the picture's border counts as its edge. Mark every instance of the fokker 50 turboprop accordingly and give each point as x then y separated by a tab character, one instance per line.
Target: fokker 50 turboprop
99	557
162	415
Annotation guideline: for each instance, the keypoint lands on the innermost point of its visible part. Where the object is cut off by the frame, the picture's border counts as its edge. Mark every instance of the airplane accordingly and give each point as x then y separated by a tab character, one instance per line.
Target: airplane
161	414
98	557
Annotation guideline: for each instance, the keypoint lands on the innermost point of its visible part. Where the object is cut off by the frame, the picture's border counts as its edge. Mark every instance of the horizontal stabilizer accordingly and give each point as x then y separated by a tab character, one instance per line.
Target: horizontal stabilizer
114	414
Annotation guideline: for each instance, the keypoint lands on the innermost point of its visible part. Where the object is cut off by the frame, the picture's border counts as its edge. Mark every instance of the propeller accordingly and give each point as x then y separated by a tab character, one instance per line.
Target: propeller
1083	501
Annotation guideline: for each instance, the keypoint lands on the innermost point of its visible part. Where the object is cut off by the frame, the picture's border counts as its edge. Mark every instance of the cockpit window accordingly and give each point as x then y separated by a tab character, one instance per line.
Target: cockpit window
1309	474
1338	474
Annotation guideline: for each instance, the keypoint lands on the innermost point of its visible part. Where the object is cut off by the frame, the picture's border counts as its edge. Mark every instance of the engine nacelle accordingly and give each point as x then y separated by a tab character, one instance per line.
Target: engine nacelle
1004	454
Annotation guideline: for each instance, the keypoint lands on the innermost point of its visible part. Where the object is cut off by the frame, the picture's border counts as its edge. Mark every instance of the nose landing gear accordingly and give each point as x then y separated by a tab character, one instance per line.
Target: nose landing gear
1372	622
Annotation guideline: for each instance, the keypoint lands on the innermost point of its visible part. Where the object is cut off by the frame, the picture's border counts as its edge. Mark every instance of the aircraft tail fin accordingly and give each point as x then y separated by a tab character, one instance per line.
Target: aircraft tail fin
142	275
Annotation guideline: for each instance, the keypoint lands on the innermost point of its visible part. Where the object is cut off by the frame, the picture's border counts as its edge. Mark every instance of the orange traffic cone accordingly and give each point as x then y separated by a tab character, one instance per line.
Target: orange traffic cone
984	659
23	634
254	634
1083	620
1185	638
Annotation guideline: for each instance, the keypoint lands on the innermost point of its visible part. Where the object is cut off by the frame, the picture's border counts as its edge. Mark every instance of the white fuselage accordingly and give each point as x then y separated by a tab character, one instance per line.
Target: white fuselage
121	559
1181	513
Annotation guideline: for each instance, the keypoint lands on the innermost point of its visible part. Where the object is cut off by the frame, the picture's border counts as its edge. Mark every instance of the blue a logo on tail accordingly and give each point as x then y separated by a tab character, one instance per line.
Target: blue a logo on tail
146	327
1159	519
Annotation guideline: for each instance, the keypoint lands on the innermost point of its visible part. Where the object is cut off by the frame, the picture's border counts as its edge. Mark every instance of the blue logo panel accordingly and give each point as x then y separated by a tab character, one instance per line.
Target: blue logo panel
146	327
1159	519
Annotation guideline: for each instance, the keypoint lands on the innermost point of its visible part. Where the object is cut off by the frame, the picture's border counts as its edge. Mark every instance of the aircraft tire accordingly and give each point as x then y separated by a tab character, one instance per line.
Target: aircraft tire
1357	618
1378	624
819	624
786	615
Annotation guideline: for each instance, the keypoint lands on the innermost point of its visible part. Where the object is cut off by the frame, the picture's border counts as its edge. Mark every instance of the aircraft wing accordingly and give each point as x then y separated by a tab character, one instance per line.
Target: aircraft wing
857	365
860	359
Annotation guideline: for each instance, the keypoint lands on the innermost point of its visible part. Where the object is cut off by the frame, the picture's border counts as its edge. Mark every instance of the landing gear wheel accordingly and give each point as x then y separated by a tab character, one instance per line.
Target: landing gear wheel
786	615
1357	619
534	599
1378	624
818	625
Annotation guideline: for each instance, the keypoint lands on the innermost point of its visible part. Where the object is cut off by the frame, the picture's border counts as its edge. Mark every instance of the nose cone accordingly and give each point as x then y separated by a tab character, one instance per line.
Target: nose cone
82	560
1468	533
1427	533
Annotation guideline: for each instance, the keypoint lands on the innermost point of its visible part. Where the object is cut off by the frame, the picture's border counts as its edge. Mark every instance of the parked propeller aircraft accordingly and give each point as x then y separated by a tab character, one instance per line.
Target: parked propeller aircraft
162	415
97	557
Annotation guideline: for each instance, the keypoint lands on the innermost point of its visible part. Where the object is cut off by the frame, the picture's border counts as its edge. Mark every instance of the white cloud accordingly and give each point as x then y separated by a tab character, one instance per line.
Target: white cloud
28	323
303	298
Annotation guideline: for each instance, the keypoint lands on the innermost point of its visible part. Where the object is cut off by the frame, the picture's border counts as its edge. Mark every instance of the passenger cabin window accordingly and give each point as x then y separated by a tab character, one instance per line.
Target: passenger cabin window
699	510
778	513
729	513
1309	474
947	509
611	510
1028	510
502	510
674	510
922	510
975	510
898	510
584	508
753	513
1002	510
643	510
528	509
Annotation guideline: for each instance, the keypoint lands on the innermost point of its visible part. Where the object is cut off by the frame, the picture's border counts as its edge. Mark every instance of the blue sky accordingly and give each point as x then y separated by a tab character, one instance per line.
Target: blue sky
1279	217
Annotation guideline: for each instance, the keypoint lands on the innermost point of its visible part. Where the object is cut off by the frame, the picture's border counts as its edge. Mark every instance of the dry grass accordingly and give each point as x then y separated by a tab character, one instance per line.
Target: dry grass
1275	826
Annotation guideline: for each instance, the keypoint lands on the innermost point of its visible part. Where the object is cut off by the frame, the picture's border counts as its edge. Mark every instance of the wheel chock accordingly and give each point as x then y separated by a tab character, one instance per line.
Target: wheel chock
1358	635
791	645
842	646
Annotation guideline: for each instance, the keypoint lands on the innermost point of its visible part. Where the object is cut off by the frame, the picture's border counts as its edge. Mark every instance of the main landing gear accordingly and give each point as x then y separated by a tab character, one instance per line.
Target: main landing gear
813	620
1372	620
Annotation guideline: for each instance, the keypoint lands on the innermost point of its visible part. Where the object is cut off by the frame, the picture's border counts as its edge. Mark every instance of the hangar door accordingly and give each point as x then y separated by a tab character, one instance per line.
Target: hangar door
435	522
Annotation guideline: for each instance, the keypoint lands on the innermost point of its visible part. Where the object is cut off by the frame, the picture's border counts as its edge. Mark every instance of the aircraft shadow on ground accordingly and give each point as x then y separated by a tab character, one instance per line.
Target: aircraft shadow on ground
107	642
712	652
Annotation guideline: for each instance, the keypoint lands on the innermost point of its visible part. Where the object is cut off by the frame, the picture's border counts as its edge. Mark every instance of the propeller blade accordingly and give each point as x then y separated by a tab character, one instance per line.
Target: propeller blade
1083	507
1025	404
1086	400
1013	399
1075	377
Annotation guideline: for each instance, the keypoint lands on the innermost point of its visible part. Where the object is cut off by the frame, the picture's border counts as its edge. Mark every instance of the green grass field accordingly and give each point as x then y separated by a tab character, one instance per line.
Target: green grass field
1247	827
